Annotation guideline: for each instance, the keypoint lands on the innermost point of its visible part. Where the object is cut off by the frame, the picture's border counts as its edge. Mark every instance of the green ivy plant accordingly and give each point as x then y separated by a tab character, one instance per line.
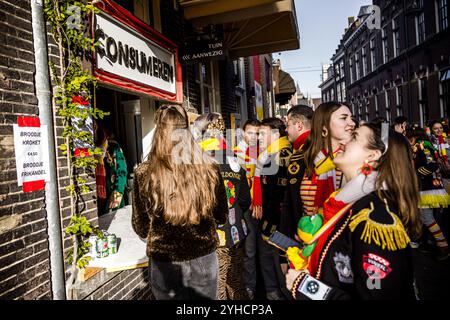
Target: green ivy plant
68	22
80	228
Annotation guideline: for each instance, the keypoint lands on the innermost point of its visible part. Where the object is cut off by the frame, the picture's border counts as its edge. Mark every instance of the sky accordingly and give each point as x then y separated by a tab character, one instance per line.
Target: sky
321	24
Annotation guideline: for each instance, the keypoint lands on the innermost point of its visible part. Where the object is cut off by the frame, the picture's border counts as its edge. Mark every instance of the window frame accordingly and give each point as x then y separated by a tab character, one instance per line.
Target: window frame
441	15
212	87
420	28
373	58
357	66
396	36
384	44
388	104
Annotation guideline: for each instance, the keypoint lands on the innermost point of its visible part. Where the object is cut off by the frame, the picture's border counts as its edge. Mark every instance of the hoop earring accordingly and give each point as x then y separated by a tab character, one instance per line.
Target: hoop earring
366	168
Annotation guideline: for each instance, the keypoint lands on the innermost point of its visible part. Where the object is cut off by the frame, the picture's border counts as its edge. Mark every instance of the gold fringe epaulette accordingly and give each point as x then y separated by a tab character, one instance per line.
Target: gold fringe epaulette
390	236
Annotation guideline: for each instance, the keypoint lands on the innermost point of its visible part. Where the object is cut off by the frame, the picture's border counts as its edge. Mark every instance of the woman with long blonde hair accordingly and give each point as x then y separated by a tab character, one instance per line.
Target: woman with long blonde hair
178	200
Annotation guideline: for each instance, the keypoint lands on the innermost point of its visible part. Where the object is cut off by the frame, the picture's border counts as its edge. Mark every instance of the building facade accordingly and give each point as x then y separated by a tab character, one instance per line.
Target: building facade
399	67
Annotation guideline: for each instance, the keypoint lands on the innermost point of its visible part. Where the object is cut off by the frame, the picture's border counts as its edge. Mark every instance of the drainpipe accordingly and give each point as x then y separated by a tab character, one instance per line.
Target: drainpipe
43	94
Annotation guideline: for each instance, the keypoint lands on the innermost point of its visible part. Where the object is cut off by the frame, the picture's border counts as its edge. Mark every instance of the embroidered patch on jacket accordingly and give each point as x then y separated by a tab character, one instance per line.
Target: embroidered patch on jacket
232	216
235	234
222	238
294	168
343	266
231	192
376	266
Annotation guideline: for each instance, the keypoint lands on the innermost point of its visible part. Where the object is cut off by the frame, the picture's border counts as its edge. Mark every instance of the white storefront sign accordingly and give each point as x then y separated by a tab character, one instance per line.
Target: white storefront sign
125	53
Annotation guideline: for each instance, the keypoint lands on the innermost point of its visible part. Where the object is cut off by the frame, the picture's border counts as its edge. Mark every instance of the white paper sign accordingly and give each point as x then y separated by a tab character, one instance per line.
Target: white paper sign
32	154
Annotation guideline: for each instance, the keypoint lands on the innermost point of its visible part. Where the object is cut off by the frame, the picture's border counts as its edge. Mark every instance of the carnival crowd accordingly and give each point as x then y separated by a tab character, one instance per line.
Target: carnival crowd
319	205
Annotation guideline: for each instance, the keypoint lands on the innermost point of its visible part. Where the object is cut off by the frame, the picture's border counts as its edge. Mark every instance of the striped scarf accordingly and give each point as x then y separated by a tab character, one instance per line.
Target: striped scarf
442	147
324	177
263	159
247	156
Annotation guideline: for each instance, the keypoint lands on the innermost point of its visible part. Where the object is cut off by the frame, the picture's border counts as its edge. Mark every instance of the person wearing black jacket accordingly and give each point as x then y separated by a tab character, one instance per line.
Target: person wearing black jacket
233	232
269	186
298	129
362	250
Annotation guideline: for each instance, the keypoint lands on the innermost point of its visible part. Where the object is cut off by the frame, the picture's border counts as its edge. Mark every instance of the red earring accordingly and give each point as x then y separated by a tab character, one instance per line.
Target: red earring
367	168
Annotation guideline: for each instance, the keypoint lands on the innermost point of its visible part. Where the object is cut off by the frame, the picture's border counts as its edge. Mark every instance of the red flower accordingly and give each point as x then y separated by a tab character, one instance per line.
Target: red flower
80	100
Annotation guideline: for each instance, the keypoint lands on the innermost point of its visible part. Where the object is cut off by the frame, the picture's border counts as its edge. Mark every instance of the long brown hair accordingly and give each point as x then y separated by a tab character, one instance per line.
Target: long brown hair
180	183
396	173
316	142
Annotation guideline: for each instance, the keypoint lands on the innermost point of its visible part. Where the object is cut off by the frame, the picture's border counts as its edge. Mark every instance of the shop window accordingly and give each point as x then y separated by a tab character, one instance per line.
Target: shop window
124	127
206	85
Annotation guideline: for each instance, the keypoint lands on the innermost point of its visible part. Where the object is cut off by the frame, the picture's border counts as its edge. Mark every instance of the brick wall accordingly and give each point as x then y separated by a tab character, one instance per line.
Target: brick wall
122	285
24	264
24	252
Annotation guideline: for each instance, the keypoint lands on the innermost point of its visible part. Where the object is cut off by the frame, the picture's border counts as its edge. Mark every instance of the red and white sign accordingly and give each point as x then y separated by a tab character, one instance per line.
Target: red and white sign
32	154
134	56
